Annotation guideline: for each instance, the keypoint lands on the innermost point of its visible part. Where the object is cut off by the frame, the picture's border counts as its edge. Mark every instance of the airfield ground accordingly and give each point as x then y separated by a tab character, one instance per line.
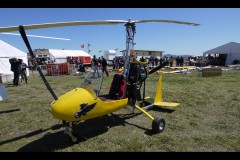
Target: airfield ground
208	118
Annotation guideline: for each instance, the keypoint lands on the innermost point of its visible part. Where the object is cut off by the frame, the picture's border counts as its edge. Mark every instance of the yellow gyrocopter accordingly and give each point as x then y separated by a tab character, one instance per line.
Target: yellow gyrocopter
84	102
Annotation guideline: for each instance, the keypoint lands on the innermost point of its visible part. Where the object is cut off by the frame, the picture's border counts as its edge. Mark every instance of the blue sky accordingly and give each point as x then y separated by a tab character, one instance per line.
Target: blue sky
218	26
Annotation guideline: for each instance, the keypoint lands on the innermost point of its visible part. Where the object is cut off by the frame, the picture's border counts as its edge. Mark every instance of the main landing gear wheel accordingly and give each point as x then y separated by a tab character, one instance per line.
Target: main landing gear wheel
158	124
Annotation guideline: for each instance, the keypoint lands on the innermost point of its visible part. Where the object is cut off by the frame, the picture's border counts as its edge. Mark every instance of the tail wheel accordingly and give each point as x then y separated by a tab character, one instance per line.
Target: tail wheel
158	124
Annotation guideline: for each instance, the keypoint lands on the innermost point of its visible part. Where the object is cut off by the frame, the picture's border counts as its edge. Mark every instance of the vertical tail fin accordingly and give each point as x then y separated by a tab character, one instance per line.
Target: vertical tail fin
158	96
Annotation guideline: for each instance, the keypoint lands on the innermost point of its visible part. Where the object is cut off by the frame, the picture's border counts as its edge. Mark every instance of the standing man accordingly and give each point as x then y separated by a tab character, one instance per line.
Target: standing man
81	67
23	71
72	64
177	61
15	68
30	65
95	66
161	60
170	61
104	66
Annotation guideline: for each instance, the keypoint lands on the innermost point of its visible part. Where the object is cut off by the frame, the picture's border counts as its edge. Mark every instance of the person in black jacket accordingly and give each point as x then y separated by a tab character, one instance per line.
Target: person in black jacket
81	67
95	66
15	68
104	66
23	72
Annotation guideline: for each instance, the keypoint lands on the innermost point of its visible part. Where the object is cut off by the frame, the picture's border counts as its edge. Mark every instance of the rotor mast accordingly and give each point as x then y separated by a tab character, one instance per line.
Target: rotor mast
130	32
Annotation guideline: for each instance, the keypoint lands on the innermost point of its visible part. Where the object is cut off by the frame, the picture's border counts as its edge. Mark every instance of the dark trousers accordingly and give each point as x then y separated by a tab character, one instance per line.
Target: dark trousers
104	69
16	78
23	76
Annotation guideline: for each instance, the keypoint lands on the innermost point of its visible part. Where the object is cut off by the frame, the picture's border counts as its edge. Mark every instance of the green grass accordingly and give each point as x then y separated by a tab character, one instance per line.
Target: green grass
208	118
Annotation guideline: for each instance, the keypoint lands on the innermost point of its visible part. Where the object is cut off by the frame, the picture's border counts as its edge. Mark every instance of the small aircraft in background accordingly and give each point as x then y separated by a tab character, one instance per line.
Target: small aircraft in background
85	102
178	70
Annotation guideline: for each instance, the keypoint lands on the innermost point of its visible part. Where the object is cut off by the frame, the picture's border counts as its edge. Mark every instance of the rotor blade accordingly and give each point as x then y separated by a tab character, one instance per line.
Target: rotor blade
76	23
60	24
16	34
168	21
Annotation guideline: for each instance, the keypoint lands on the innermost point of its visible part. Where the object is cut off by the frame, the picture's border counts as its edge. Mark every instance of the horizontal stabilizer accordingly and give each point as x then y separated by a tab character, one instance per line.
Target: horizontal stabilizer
166	105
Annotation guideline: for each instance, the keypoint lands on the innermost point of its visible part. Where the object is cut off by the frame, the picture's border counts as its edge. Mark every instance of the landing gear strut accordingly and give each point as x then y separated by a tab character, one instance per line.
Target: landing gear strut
69	131
158	123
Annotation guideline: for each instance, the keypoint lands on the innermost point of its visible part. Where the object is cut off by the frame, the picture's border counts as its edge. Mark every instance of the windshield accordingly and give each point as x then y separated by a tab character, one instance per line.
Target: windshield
94	83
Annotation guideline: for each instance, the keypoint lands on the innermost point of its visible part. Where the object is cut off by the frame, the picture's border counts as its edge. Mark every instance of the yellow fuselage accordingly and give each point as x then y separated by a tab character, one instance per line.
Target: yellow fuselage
68	104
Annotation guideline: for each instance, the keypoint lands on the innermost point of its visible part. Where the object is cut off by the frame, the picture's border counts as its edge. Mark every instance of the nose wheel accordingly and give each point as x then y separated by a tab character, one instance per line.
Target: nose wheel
158	123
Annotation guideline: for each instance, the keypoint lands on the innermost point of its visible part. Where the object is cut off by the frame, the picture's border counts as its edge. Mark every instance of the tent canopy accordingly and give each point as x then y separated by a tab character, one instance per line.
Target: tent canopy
110	51
228	48
6	52
232	50
61	55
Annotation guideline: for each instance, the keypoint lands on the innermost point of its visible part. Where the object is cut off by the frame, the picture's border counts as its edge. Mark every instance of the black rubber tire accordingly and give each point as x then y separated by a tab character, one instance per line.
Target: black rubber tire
158	124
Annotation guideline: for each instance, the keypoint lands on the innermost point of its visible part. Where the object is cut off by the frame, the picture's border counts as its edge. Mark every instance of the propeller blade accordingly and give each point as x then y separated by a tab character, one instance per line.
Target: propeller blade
16	34
24	37
60	24
168	21
157	68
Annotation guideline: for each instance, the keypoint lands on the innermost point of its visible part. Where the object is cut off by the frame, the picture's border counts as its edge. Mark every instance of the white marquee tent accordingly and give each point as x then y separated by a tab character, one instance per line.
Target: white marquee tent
109	54
232	50
6	52
60	56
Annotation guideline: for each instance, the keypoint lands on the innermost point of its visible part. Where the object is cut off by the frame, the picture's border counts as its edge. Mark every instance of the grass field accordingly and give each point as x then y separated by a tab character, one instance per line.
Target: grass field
208	118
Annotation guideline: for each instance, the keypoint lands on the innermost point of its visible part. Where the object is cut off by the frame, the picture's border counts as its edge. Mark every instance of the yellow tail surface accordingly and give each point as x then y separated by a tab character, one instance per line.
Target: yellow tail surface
158	98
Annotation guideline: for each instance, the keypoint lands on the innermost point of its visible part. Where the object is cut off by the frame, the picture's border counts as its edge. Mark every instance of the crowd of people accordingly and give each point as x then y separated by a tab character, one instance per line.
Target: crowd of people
118	62
77	64
96	64
19	67
175	61
101	62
